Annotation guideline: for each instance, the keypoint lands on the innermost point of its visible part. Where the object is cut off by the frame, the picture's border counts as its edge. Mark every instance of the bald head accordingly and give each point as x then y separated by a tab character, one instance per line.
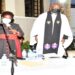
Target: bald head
55	6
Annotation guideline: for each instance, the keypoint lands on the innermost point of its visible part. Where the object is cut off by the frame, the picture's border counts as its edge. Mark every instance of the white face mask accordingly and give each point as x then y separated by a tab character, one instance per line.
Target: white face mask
6	21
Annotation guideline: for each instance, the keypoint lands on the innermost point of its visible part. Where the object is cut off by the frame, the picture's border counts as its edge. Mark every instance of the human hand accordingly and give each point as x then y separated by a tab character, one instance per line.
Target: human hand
62	41
15	32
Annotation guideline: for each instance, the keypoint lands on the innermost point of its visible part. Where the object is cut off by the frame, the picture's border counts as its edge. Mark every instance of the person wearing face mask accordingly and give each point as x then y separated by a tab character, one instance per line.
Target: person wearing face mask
10	33
51	32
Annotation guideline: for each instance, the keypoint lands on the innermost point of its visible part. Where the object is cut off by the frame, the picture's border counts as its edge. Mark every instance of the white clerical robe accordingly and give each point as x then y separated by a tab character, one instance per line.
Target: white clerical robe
38	29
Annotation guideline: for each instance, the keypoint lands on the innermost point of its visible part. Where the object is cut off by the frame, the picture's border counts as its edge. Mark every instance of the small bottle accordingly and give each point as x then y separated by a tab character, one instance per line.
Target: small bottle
24	54
4	59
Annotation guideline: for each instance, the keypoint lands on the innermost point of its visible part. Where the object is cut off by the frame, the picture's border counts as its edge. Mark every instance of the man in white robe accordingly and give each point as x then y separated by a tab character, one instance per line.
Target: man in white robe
38	32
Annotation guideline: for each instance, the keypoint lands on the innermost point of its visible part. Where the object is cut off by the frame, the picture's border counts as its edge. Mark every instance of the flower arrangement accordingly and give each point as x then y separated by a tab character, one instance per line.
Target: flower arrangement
25	45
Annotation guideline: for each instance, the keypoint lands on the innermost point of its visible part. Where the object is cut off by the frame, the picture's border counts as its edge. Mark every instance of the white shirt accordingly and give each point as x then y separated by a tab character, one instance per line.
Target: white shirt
53	19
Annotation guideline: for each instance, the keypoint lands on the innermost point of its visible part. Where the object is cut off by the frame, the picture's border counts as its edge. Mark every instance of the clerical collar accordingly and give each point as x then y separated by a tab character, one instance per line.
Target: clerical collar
54	13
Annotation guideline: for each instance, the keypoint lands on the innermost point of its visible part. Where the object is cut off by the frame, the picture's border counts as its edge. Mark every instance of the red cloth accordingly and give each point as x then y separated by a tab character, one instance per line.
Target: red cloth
17	43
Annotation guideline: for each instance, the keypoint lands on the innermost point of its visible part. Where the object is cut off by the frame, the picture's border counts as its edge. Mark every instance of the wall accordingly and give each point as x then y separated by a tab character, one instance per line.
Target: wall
46	5
26	25
10	5
15	6
19	8
73	20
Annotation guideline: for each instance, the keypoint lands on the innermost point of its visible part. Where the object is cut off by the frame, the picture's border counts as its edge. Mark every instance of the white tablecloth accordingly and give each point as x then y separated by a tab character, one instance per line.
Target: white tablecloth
51	66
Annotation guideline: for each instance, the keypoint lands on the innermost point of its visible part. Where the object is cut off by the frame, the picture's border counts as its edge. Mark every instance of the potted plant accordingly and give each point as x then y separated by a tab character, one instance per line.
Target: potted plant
26	47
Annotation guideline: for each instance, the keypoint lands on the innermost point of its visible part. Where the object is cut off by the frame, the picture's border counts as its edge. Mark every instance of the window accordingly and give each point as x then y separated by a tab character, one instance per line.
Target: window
72	3
33	8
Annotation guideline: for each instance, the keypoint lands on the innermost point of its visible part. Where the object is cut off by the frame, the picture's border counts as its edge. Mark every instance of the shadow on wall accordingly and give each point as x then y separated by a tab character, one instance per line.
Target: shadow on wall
26	25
